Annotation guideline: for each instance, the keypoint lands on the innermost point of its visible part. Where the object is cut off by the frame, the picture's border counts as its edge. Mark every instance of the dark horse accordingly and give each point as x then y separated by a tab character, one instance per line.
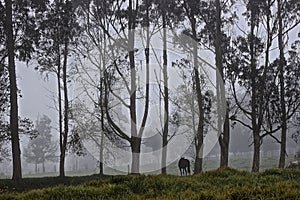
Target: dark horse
184	166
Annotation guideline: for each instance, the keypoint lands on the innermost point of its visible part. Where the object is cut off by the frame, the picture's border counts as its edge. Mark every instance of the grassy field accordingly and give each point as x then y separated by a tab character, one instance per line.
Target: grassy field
241	163
224	183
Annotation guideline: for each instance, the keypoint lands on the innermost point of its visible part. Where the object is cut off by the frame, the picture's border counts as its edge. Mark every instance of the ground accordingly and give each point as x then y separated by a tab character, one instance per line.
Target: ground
225	183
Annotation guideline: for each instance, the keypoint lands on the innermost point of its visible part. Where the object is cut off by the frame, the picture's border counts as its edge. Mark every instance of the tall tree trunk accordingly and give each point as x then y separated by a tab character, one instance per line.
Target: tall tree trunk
200	129
102	101
14	126
102	122
60	109
166	93
255	128
224	131
282	92
135	141
66	111
60	118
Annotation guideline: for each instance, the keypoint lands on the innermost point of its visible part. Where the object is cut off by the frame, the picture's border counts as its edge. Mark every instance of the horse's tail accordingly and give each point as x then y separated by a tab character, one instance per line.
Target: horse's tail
189	170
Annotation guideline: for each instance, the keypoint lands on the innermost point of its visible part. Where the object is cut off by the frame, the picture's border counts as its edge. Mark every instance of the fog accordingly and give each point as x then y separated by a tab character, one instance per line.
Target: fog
36	93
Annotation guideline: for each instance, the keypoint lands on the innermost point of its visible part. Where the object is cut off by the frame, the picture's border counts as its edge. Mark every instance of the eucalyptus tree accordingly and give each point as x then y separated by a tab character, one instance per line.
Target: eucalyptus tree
92	55
191	11
219	44
278	119
277	84
122	19
201	17
59	30
218	16
93	58
163	8
294	61
19	34
257	75
288	18
247	72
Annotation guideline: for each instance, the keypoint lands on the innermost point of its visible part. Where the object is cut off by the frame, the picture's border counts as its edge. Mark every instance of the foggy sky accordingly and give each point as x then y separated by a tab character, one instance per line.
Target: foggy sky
36	96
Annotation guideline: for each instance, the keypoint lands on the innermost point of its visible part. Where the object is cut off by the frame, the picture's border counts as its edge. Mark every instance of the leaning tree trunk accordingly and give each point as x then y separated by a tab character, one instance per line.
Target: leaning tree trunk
14	126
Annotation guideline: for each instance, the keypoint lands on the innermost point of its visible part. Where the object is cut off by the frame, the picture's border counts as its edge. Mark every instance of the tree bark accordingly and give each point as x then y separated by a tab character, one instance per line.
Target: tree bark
224	130
14	126
66	111
102	121
200	134
282	85
60	119
135	141
136	150
224	142
256	153
102	85
102	101
255	128
166	93
101	154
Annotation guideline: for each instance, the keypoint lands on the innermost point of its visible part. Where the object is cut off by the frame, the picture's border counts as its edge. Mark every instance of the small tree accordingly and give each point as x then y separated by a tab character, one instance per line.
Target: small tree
41	148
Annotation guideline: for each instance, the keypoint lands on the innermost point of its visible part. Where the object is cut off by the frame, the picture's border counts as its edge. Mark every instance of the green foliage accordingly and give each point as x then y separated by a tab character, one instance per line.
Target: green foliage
224	183
26	13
